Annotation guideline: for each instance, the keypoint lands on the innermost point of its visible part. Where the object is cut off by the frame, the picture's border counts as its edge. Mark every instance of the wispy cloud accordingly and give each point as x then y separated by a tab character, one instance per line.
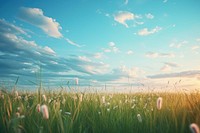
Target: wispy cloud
98	55
168	66
186	74
36	17
145	31
156	55
22	53
130	52
123	16
149	16
73	43
195	47
178	45
164	1
126	2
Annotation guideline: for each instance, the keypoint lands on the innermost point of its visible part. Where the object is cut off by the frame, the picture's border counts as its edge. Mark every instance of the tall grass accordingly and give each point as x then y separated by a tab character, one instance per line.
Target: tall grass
98	112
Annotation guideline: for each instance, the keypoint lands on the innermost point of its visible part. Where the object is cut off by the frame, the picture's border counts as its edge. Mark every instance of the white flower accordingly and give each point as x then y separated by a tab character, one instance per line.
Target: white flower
103	99
139	117
44	98
67	113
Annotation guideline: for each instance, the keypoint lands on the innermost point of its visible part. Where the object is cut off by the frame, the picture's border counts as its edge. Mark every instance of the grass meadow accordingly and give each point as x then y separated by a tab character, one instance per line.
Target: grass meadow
20	112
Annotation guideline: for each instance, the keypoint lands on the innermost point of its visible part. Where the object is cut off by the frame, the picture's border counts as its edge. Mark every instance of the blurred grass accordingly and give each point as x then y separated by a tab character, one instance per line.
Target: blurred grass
88	113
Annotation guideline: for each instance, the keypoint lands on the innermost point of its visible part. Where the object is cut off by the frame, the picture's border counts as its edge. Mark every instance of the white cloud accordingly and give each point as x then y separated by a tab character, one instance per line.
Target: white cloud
123	16
177	45
145	31
49	50
149	16
166	68
98	55
198	39
111	44
126	2
158	55
164	1
84	58
195	47
107	50
129	52
36	17
112	48
72	43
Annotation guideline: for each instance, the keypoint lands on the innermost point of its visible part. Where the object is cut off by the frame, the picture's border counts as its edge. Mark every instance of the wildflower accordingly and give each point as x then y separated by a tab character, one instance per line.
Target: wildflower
44	110
17	114
2	96
16	93
76	81
22	117
81	98
103	99
139	117
115	107
108	109
38	108
194	128
67	113
26	98
63	101
159	103
44	98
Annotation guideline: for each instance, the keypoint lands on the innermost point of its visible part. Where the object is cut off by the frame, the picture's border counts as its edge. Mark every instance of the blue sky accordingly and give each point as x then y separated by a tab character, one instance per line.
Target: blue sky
114	42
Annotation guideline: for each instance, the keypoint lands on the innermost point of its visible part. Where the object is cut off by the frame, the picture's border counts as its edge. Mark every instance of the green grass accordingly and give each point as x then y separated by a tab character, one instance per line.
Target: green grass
117	115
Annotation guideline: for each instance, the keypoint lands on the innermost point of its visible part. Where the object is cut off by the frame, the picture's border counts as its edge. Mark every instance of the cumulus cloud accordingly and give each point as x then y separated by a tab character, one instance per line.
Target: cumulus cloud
36	17
159	55
145	31
149	16
123	16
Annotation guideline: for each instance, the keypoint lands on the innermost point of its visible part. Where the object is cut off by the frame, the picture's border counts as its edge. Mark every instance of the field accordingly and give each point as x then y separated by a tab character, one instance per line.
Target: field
98	112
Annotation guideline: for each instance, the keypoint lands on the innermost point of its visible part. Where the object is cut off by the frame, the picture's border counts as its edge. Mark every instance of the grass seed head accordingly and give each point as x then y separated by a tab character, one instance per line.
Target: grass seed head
139	118
45	112
194	128
159	103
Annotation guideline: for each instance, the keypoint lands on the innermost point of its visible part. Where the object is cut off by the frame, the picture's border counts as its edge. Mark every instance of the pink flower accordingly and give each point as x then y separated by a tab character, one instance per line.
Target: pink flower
194	128
159	103
45	112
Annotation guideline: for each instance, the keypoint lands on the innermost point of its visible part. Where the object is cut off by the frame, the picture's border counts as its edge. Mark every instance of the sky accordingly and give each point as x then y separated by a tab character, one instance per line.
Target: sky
124	43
